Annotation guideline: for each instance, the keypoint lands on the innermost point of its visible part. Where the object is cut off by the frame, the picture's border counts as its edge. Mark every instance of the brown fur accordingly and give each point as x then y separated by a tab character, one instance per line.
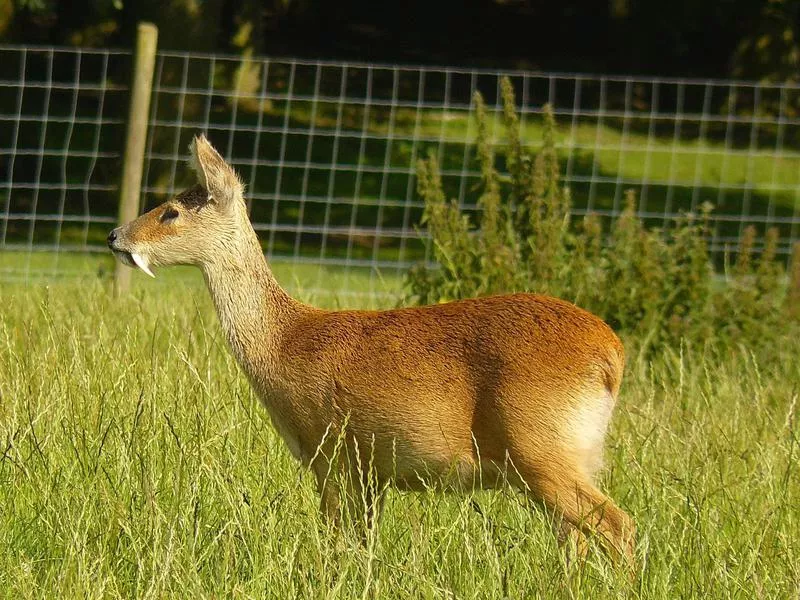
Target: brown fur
515	388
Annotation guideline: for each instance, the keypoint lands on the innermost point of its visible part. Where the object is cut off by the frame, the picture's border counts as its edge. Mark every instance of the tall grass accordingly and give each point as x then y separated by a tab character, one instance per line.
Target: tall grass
136	462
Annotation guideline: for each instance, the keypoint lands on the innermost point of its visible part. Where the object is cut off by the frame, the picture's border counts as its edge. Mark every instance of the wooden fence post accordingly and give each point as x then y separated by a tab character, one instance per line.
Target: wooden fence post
131	185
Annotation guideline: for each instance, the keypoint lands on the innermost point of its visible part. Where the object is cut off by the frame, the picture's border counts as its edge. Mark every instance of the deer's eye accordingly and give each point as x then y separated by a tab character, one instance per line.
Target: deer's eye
169	215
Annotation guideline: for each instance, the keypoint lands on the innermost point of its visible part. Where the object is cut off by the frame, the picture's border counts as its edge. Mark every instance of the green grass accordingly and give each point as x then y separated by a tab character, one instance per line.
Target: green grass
135	461
315	283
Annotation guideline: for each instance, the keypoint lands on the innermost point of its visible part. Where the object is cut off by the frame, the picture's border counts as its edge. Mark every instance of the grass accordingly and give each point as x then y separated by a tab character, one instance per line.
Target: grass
332	284
135	461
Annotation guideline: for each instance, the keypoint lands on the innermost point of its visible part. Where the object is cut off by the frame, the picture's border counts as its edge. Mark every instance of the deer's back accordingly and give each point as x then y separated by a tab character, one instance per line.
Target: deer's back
467	339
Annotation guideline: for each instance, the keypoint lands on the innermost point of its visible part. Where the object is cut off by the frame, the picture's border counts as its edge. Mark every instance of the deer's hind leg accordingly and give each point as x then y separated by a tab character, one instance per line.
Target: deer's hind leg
571	539
556	457
583	509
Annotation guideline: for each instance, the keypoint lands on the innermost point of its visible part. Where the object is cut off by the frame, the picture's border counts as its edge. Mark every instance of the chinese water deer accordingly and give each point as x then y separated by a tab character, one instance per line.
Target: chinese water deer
517	388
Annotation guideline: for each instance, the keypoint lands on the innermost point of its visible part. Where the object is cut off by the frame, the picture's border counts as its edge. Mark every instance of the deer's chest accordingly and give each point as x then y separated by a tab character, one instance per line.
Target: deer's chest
287	430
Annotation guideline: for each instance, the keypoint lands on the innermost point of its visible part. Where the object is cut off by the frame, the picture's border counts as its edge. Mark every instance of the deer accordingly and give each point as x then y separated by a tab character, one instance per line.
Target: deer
479	393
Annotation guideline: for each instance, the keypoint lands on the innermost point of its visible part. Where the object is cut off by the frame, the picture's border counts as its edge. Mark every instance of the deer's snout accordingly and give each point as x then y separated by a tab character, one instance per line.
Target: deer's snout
112	238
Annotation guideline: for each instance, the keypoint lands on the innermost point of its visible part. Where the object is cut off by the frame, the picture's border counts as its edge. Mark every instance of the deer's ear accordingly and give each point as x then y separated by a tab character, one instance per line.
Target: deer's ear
214	174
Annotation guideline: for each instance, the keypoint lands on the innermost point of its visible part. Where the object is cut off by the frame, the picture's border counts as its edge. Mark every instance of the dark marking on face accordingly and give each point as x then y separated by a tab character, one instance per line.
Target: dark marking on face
169	215
195	197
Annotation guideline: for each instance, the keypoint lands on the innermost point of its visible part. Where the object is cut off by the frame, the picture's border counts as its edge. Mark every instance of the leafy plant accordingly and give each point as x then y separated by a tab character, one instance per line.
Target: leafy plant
657	284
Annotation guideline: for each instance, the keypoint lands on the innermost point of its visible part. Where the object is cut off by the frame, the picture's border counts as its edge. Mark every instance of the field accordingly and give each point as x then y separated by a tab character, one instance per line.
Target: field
136	462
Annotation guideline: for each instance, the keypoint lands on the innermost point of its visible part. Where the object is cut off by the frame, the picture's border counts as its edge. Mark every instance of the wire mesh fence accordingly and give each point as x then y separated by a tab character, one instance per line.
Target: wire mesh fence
60	111
328	151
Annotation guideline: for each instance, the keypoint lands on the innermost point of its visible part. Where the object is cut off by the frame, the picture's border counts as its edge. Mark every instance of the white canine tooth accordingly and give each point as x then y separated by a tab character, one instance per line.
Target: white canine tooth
141	262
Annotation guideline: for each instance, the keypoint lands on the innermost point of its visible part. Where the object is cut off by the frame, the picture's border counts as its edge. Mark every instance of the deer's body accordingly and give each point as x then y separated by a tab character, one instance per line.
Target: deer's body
516	388
452	385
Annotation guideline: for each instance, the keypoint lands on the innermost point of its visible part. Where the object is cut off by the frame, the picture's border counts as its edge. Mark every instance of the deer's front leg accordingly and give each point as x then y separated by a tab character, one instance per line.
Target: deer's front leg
328	487
349	498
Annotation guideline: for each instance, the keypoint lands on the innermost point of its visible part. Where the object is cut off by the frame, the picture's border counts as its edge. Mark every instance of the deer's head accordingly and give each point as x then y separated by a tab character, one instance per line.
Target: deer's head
192	228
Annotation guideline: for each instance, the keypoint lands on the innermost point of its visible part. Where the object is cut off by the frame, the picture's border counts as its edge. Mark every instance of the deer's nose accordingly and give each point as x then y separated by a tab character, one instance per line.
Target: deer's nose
111	237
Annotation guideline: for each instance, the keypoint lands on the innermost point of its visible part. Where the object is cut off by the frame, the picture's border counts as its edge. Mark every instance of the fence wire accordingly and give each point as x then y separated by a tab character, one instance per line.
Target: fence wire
328	151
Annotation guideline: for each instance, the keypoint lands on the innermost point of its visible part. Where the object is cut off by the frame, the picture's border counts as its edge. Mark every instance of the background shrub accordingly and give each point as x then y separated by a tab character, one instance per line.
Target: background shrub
655	285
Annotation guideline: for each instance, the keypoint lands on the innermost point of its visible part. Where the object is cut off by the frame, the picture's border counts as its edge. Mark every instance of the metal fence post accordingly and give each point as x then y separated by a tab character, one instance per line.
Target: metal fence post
141	89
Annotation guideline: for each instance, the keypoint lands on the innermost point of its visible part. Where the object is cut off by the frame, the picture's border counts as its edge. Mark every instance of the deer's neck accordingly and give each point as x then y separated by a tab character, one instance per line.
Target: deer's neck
253	309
